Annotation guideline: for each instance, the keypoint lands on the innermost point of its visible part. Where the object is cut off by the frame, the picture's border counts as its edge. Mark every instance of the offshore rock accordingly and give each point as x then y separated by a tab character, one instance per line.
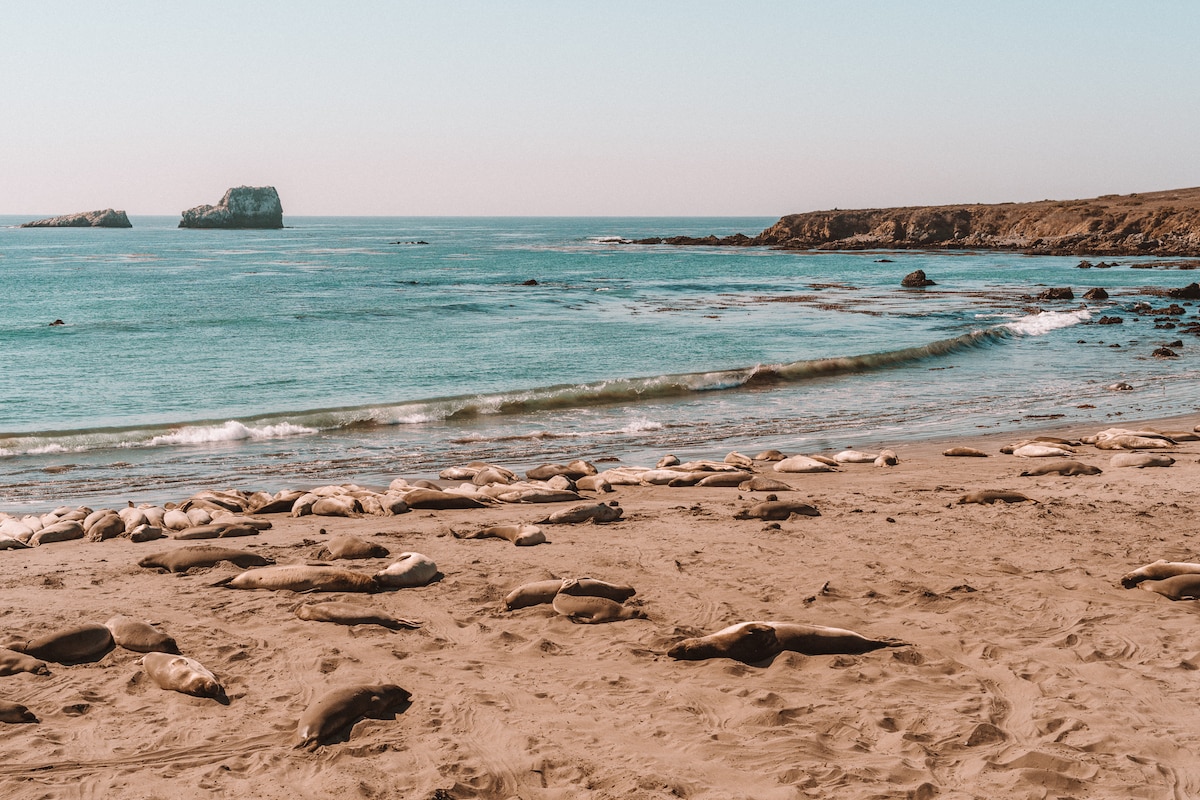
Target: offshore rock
241	207
108	218
916	279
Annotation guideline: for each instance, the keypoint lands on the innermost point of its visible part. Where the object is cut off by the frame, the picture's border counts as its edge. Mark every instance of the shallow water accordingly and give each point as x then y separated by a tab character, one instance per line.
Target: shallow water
340	349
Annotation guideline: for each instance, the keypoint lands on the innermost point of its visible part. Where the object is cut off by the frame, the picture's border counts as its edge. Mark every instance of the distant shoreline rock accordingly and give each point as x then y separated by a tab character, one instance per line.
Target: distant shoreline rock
243	207
108	218
1149	223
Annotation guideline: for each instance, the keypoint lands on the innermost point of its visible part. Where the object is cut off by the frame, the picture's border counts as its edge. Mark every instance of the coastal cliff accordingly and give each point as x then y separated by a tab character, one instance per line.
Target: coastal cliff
1157	223
241	207
108	218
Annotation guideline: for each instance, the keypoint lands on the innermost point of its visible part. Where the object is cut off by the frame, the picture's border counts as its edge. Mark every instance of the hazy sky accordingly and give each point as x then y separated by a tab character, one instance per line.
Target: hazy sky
593	108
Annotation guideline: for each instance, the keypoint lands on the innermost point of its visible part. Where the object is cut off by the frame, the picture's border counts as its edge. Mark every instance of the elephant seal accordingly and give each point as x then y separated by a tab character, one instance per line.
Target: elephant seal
731	479
990	496
964	452
64	531
350	547
590	610
338	710
1158	570
539	592
76	645
12	662
302	578
887	458
351	614
411	569
751	642
855	457
184	558
216	530
436	499
15	713
764	483
1140	460
140	637
520	535
1177	587
1037	450
1063	468
802	464
182	674
777	510
600	512
770	455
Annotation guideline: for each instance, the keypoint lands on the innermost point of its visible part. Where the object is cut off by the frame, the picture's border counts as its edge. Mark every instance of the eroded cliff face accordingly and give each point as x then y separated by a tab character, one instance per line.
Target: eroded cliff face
108	218
241	207
1157	223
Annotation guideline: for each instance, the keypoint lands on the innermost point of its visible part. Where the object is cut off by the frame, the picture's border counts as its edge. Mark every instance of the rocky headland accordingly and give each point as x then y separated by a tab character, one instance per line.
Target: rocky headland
241	207
1156	223
108	218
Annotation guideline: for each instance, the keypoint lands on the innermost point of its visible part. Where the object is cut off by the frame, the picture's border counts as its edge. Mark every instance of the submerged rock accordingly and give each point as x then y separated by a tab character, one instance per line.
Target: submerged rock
241	207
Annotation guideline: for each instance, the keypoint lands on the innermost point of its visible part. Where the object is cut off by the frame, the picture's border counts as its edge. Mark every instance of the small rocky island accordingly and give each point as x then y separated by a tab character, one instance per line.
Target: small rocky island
1155	223
242	207
108	218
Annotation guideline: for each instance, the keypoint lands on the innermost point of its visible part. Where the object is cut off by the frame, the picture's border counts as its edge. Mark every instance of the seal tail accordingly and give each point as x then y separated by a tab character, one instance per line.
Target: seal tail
224	581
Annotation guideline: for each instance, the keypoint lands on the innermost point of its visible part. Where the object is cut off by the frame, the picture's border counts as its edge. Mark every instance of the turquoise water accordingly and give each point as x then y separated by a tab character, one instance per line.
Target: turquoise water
341	349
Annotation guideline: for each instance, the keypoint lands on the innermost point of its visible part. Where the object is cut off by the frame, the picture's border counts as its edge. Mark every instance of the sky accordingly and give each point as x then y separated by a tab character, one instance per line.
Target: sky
562	108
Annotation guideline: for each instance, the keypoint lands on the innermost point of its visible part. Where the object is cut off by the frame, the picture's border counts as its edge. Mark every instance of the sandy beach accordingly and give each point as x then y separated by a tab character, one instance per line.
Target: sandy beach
1028	671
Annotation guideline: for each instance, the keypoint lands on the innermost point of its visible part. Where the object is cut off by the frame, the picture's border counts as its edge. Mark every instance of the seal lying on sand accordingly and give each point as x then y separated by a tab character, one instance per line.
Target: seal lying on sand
751	642
1063	468
600	512
989	496
140	637
520	535
15	712
1179	587
76	645
302	578
351	614
350	547
539	592
12	662
335	712
773	509
182	674
184	558
591	610
1158	570
411	569
964	452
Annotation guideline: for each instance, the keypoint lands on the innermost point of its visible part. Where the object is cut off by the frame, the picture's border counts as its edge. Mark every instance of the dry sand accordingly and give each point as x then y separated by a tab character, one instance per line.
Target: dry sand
1030	671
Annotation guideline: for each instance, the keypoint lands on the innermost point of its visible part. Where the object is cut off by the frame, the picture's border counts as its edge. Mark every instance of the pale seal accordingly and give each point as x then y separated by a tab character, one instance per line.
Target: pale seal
75	645
140	637
1178	587
802	464
351	614
990	496
764	483
1036	450
182	674
1158	570
726	479
351	547
15	713
409	570
600	512
590	610
520	535
751	642
1063	468
184	558
335	712
855	457
12	662
302	578
539	592
1140	460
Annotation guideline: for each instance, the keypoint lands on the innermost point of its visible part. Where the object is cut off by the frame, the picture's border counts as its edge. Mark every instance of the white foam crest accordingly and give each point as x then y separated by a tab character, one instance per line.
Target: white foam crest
50	449
231	431
641	425
1037	324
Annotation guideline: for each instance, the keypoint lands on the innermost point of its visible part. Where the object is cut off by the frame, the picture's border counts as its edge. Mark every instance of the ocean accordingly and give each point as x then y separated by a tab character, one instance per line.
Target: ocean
363	349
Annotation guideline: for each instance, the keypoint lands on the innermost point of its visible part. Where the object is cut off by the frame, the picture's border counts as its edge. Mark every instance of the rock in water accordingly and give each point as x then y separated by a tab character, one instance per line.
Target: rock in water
107	218
916	279
241	207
